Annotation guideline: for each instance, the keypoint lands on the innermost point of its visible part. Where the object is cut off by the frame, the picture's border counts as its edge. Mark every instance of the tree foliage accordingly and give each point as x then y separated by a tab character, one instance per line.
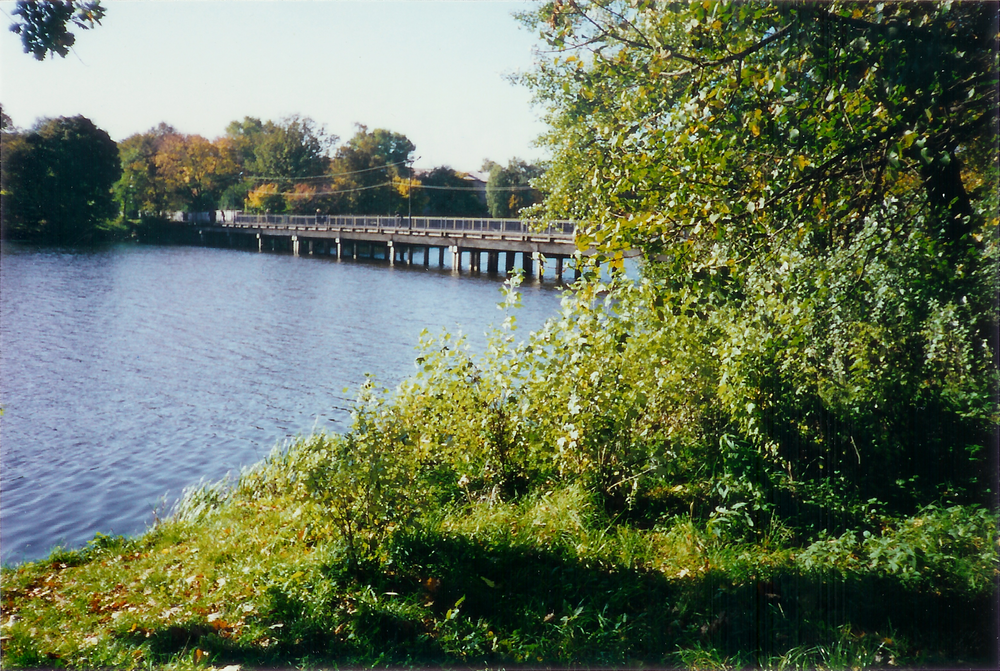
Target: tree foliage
165	170
141	188
372	172
816	184
194	171
43	25
291	154
57	181
448	193
295	147
509	190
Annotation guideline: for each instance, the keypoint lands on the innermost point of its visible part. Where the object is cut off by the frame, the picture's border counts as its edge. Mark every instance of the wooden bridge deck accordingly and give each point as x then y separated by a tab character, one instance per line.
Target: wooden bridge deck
399	237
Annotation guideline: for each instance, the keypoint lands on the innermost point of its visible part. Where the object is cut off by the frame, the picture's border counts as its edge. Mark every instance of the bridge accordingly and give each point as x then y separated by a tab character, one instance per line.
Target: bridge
405	240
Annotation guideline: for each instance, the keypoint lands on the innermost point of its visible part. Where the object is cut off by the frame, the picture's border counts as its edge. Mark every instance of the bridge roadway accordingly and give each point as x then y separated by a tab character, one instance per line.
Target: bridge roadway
401	239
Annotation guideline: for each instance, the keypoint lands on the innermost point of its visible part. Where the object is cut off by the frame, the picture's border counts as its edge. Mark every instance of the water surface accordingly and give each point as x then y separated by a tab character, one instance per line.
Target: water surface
132	372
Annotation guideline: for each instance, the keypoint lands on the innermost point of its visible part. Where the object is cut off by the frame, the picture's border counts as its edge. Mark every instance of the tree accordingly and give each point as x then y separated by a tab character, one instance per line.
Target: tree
293	148
814	184
164	170
43	24
371	172
195	172
141	188
284	153
266	198
448	193
509	189
57	181
6	125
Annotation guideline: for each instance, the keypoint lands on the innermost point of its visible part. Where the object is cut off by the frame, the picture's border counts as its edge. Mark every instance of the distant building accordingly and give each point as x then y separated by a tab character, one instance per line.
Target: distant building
478	179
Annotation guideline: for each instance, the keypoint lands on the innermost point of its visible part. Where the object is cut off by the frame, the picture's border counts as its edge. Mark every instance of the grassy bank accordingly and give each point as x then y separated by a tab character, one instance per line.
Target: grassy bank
260	574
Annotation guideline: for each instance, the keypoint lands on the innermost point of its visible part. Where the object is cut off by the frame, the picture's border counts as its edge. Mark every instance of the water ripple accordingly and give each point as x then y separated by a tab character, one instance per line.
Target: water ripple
130	373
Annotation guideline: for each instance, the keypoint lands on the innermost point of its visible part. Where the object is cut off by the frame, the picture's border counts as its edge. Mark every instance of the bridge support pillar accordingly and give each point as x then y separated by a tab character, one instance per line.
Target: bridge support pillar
354	250
427	256
492	262
559	268
456	259
509	261
260	242
390	253
440	257
339	249
526	263
295	245
311	249
474	255
540	260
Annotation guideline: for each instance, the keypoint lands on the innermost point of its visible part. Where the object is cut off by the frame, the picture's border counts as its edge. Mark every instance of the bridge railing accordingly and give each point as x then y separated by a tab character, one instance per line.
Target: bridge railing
444	224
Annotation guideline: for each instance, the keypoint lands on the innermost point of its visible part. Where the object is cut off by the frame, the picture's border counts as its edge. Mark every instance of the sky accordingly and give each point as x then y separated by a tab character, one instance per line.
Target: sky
436	71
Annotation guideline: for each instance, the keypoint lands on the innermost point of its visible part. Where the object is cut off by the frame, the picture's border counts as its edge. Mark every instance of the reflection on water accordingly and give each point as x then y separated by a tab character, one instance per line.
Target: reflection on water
132	372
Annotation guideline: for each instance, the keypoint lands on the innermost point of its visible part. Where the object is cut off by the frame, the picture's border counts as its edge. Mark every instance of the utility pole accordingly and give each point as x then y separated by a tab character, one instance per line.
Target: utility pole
409	193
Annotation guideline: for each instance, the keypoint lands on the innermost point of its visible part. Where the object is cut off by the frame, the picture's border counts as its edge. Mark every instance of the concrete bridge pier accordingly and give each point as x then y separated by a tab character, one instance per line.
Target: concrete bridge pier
492	262
440	257
539	259
295	245
427	256
260	242
390	253
509	261
559	268
456	259
339	249
526	263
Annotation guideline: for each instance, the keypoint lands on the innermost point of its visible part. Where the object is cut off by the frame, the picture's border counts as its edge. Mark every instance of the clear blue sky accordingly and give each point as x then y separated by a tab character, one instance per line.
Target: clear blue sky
434	71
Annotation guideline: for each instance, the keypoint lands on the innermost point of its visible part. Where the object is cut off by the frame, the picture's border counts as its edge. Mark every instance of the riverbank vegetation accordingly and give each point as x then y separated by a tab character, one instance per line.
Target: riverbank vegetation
56	182
776	448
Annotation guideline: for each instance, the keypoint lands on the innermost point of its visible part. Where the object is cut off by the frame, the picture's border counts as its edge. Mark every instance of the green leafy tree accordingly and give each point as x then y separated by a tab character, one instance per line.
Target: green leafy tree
816	183
372	172
509	190
43	25
241	140
141	190
293	148
6	124
244	136
291	152
58	181
448	193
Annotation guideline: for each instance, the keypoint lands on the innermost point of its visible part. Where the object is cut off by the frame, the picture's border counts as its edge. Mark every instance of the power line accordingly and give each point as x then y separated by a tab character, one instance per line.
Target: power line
328	175
312	194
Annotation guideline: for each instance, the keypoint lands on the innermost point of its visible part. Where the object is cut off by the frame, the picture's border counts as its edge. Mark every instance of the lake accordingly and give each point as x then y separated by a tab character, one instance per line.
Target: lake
131	372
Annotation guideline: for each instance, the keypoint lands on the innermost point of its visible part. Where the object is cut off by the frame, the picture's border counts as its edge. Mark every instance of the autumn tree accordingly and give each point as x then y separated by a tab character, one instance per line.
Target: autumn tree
814	185
194	172
57	181
372	172
284	153
142	188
